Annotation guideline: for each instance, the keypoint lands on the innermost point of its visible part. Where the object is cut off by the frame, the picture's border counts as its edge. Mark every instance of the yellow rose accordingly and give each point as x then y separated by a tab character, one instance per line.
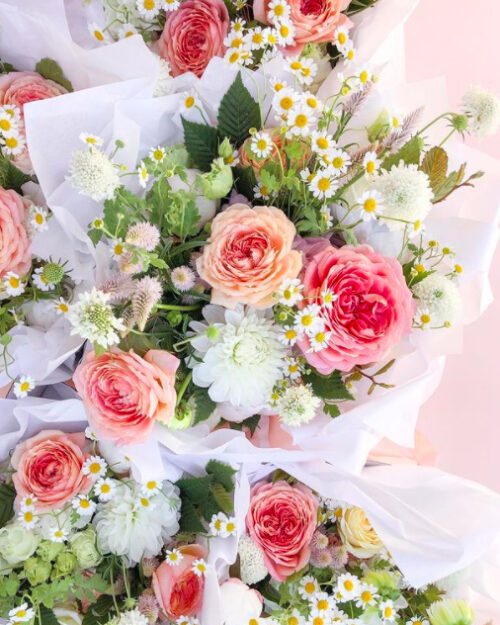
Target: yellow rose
358	535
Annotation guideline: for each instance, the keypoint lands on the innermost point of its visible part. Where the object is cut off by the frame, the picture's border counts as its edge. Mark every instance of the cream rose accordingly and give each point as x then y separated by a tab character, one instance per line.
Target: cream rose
358	535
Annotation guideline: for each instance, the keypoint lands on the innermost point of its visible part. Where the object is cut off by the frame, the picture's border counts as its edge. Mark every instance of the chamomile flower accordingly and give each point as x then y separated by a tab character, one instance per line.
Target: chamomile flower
216	523
417	620
98	33
13	143
348	585
28	503
173	557
149	9
104	488
234	57
170	5
235	39
289	292
387	611
7	123
23	386
284	100
349	52
322	602
289	336
339	160
323	185
13	284
308	587
341	37
325	218
295	618
277	11
127	30
312	103
292	368
369	203
363	77
233	160
97	223
228	527
395	120
40	281
142	172
83	505
322	142
416	228
277	84
318	618
95	467
319	340
61	306
308	71
89	139
28	519
285	33
255	38
371	163
190	101
261	144
438	300
58	535
298	121
38	219
12	111
144	502
308	320
199	567
117	249
260	191
328	297
367	596
271	39
306	175
22	614
157	154
238	25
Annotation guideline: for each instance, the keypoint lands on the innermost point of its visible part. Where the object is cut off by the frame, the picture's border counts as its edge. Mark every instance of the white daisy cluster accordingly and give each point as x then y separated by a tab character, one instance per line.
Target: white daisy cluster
438	301
12	135
93	319
222	525
483	111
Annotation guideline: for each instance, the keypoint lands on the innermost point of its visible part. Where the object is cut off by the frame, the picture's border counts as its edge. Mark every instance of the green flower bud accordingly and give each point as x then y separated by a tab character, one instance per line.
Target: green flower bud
382	580
37	570
53	273
174	317
182	418
83	546
64	565
460	122
48	550
218	181
17	544
379	128
226	149
450	612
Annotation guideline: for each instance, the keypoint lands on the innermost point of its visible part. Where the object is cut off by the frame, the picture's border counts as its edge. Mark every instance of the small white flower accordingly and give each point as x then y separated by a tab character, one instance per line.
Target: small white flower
151	487
312	103
92	140
303	69
416	228
83	505
95	467
149	9
367	596
173	557
127	30
187	620
438	300
228	527
261	144
363	77
319	340
199	567
369	203
387	611
61	306
233	160
216	523
13	284
142	172
7	123
235	57
339	160
13	143
104	488
183	278
322	602
117	249
371	163
319	618
417	620
190	101
90	434
23	386
298	122
322	142
22	614
284	100
157	154
97	223
255	38
293	368
289	336
277	11
289	292
395	120
260	191
324	185
58	535
38	219
348	586
341	37
93	174
144	502
278	85
40	281
308	320
28	519
483	110
171	5
28	503
92	318
308	587
349	52
285	33
328	297
98	33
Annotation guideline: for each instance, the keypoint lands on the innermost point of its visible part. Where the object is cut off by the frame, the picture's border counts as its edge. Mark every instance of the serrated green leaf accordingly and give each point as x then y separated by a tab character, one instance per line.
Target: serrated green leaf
209	508
194	488
48	68
222	473
204	406
100	612
222	497
332	410
409	154
328	387
435	165
45	616
245	181
10	176
95	235
356	6
189	521
269	180
7	496
201	143
238	112
157	262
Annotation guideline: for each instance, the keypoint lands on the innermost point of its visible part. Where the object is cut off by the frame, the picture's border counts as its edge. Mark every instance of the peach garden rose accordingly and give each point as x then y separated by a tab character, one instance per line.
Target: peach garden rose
248	255
15	253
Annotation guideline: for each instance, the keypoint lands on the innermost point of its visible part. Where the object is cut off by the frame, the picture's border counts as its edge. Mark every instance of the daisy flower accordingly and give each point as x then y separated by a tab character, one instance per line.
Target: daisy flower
289	336
348	52
298	122
312	102
323	185
328	297
28	503
23	386
39	218
308	320
104	488
95	467
28	519
261	144
260	191
58	535
216	523
199	567
13	144
387	611
308	587
157	154
22	614
61	306
348	585
322	142
292	369
173	557
370	202
284	100
233	159
142	172
319	340
285	33
341	37
190	101
89	139
171	5
83	505
289	292
322	602
395	120
127	30
371	163
13	284
339	159
149	9
277	11
98	33
255	38
277	84
367	596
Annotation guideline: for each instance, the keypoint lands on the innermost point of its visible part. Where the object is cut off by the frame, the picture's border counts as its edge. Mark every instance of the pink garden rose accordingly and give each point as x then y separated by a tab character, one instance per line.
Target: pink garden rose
281	520
177	588
49	467
125	394
372	312
14	243
193	35
19	88
248	255
315	21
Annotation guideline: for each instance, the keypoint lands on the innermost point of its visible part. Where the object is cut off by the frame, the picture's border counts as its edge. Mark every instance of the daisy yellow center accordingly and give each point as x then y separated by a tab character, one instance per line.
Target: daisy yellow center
129	33
28	501
98	35
257	38
322	143
234	57
318	621
348	585
419	268
151	485
425	319
338	515
363	77
306	71
458	268
84	503
293	620
14	282
253	621
230	527
58	534
158	154
366	595
307	320
63	307
301	120
271	39
322	604
286	103
201	567
261	144
145	502
119	249
395	122
149	5
174	557
350	55
105	488
284	30
293	368
229	160
264	191
278	86
290	334
312	103
279	10
342	38
324	184
28	517
95	467
5	124
309	587
25	386
236	42
370	205
320	337
39	219
11	142
296	65
388	612
218	524
21	613
338	161
189	102
370	167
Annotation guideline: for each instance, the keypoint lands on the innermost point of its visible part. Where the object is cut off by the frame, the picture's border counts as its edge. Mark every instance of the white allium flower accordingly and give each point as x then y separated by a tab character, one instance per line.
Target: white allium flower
235	347
406	192
297	405
252	565
132	617
93	174
483	110
439	297
126	529
93	319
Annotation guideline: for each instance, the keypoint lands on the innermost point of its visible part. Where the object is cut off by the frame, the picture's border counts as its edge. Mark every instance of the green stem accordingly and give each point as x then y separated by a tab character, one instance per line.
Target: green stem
178	307
183	387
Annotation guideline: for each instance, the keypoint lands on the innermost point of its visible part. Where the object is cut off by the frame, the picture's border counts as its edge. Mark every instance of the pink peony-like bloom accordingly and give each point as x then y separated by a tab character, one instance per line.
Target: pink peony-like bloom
240	604
372	312
177	588
193	35
49	467
125	394
19	88
282	519
14	243
248	255
315	21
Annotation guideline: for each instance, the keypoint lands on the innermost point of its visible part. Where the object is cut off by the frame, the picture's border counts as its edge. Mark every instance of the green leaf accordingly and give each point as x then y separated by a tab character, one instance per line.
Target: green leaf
328	387
189	521
95	235
222	497
238	112
157	262
385	368
252	423
45	616
269	180
194	488
356	6
6	68
209	507
201	143
10	176
331	409
244	180
222	473
48	68
435	165
100	612
349	237
7	496
409	154
204	406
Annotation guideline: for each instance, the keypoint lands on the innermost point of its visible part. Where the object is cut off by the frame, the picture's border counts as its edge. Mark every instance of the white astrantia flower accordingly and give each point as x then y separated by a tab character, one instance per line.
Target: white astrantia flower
93	174
439	298
92	318
483	110
127	529
132	617
407	195
252	564
297	405
233	347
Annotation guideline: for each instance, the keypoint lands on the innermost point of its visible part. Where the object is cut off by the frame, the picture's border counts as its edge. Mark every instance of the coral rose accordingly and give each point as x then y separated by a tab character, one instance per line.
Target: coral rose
372	312
48	466
14	243
358	535
281	519
193	35
177	588
125	394
315	21
19	88
248	255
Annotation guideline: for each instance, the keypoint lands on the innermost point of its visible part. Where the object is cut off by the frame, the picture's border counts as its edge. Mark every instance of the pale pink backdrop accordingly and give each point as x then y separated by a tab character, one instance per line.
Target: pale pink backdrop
459	39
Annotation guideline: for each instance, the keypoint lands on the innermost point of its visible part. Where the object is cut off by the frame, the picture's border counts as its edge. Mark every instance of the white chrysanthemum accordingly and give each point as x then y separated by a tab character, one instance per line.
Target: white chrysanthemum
297	405
439	298
241	355
407	195
252	565
483	110
93	319
133	531
93	174
132	617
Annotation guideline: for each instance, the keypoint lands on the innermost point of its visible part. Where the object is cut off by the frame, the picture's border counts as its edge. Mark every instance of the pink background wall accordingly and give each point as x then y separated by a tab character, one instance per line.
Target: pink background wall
462	419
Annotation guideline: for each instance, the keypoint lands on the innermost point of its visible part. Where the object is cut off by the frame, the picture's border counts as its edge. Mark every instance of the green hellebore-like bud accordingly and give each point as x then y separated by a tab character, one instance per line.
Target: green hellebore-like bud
218	181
